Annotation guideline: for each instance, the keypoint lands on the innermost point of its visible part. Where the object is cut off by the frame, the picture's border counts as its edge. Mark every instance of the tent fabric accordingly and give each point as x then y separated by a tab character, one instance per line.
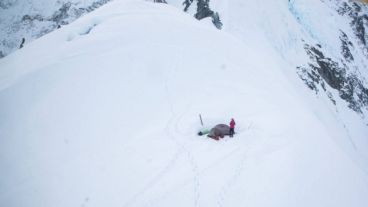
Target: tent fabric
203	132
219	131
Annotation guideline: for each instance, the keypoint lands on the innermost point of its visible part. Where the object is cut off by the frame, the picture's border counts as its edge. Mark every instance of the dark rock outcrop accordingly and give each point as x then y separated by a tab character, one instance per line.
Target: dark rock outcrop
346	46
204	11
322	71
337	73
358	22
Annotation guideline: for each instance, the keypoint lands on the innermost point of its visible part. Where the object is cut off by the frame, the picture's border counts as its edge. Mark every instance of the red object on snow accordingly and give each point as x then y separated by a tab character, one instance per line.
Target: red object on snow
232	124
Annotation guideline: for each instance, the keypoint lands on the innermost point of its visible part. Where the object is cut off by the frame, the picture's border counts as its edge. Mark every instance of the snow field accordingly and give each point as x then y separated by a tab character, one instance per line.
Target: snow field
106	114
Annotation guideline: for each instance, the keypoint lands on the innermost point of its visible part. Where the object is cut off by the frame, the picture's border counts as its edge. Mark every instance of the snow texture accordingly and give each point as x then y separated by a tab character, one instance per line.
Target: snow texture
31	19
104	112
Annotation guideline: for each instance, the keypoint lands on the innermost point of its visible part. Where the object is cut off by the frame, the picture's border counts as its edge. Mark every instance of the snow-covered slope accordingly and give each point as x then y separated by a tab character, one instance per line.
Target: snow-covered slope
329	56
104	112
22	21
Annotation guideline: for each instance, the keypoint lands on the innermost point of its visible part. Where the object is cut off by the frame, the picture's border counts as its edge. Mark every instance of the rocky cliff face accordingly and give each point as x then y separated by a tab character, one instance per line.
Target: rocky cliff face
341	74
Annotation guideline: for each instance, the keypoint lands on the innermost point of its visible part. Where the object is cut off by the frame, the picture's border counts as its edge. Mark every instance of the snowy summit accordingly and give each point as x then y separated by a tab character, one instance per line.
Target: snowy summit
101	107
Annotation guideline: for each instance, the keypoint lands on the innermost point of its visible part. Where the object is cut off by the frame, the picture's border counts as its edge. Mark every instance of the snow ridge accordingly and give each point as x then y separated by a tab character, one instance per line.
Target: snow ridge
31	20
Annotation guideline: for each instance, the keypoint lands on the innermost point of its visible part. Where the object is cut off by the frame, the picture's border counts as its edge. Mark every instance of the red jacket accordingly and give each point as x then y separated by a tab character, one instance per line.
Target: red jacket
232	124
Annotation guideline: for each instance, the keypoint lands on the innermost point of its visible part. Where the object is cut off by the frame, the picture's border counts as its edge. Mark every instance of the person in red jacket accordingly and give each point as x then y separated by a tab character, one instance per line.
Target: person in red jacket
232	127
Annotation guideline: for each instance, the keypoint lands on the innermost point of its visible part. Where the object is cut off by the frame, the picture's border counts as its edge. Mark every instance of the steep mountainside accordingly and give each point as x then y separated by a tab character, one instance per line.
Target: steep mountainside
321	43
338	62
104	111
22	21
336	48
